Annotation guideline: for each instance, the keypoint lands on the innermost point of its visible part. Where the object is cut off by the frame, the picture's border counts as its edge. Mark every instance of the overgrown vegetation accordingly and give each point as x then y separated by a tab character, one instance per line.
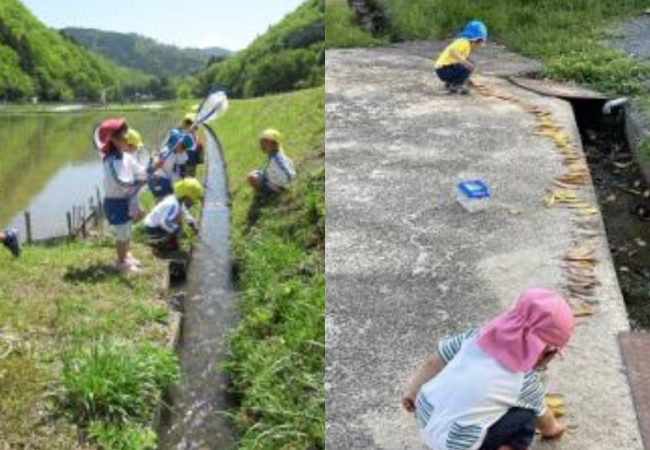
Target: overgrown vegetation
145	54
38	61
341	29
115	384
277	350
289	56
86	349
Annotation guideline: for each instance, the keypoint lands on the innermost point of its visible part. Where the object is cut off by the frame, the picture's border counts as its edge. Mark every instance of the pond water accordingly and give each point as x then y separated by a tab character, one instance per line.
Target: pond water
48	163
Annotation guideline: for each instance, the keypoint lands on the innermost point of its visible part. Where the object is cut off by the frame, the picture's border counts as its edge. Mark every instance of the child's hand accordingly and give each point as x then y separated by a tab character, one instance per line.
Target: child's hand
408	400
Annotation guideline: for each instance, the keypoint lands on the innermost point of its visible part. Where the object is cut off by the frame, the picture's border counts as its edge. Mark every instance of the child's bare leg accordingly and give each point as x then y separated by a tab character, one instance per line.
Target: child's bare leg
549	426
2	237
254	181
122	248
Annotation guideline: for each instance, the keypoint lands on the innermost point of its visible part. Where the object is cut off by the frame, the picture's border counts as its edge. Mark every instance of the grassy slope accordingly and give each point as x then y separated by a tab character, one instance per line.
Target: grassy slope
53	302
277	351
340	28
565	35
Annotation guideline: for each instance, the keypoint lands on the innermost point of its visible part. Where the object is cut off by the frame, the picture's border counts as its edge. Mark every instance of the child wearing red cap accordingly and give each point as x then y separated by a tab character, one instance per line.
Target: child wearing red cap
123	176
482	390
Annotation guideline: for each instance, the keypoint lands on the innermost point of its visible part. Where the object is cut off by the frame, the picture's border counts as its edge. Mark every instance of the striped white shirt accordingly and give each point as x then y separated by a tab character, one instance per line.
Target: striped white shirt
166	213
279	170
473	391
121	175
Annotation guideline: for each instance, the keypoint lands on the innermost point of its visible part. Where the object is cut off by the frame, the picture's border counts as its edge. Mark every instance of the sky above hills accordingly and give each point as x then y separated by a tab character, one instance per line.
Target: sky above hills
199	23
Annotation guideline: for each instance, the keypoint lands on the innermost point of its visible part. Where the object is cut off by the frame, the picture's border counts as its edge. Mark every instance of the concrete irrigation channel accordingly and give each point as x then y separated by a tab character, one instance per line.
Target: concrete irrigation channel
406	265
196	417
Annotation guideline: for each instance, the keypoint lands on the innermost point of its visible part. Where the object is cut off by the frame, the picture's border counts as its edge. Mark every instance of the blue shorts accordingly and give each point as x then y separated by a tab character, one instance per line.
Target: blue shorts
117	211
454	74
157	234
160	186
194	158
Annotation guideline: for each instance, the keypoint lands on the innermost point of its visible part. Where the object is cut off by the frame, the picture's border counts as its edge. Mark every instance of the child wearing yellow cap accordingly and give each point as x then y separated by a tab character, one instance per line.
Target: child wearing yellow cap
278	172
134	144
163	224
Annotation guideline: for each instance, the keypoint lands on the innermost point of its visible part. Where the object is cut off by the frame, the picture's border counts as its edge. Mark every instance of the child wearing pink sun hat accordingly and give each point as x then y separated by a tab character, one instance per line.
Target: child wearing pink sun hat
482	390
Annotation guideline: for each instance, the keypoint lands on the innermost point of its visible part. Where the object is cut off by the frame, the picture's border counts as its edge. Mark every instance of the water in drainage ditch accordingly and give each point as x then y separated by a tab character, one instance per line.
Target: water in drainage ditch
195	418
623	194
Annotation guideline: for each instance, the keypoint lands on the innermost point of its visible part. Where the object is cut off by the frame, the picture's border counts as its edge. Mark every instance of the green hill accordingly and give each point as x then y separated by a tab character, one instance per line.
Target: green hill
38	61
145	54
289	56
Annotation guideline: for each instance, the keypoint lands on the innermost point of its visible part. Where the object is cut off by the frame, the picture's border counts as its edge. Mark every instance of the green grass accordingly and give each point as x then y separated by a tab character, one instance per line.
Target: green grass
115	383
277	352
84	340
341	30
125	437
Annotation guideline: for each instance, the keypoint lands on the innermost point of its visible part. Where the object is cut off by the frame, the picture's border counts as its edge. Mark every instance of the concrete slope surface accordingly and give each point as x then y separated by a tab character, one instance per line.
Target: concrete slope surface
406	265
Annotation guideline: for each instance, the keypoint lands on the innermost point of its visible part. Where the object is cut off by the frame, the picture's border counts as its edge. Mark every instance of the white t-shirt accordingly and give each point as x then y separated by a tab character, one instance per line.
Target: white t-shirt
166	213
121	175
171	164
279	170
473	391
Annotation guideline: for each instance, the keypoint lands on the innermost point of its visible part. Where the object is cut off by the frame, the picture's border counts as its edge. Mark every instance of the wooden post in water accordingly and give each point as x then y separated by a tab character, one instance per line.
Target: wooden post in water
94	214
28	227
84	232
100	212
69	217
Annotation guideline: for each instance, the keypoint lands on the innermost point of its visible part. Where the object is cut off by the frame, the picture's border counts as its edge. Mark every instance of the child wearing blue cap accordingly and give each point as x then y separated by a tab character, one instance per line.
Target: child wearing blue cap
192	143
453	66
169	166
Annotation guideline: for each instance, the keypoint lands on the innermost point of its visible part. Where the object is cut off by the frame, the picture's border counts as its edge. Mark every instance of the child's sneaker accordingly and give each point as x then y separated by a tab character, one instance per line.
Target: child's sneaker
462	90
12	242
131	260
126	267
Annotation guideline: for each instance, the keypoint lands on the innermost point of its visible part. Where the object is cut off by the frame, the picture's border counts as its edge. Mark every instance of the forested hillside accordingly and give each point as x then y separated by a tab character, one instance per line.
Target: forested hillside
145	54
38	61
289	56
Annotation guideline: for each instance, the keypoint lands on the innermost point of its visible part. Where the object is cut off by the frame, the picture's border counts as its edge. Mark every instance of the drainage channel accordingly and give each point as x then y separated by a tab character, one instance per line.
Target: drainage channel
624	198
622	191
195	417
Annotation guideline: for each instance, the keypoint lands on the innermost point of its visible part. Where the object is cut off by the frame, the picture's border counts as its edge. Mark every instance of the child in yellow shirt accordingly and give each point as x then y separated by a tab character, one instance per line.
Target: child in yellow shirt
454	66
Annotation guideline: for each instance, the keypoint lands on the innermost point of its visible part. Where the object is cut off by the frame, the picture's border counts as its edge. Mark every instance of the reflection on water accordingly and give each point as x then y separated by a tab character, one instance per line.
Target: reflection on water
48	163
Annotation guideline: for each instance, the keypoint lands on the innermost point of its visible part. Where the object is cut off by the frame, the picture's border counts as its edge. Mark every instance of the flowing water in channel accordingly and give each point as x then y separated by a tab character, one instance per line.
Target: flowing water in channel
195	417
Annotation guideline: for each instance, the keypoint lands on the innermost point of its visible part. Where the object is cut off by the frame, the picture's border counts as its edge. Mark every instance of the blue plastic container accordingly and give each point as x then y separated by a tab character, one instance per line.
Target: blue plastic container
474	195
